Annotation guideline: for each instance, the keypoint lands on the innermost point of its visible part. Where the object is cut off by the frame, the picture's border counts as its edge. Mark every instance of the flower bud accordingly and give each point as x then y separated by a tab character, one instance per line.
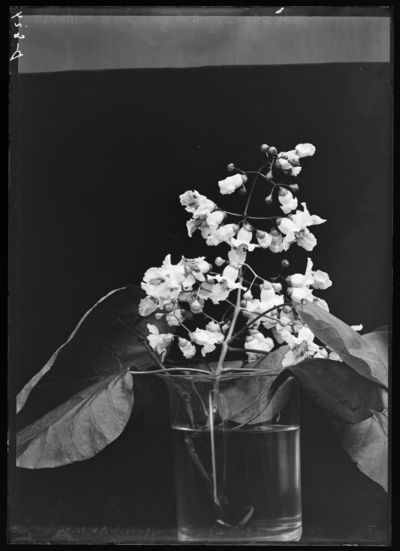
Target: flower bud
294	187
182	342
269	199
274	232
289	280
244	178
169	307
260	234
283	192
187	315
287	309
289	291
266	285
247	295
277	163
226	326
196	307
247	226
167	338
192	336
285	263
278	220
249	338
243	303
231	167
243	190
253	331
273	151
219	261
264	148
277	287
269	176
235	228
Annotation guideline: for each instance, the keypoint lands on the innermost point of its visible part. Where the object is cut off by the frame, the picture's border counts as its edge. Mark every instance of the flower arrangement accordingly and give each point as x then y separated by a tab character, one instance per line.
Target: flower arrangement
288	332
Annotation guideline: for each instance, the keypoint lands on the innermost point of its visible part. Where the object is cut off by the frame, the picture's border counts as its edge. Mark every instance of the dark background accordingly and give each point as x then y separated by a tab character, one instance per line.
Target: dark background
102	158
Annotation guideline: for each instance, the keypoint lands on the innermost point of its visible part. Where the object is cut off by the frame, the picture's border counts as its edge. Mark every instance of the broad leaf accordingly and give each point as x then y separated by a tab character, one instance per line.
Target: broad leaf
352	348
379	339
367	445
335	387
104	342
80	427
246	399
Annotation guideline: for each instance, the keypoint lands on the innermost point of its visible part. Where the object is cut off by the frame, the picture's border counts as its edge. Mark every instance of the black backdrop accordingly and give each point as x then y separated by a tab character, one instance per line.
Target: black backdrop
102	158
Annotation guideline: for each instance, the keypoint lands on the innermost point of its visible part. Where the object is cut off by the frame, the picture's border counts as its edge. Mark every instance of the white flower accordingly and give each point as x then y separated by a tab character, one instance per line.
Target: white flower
215	292
276	245
147	306
304	150
175	317
295	170
357	327
300	284
266	241
243	238
269	299
196	203
334	356
258	342
304	218
159	341
207	339
229	276
187	348
223	233
291	156
301	347
237	256
321	280
164	284
230	184
205	222
306	239
213	326
288	202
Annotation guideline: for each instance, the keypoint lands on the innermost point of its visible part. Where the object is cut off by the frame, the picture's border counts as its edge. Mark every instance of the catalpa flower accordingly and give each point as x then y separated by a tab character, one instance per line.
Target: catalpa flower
196	203
222	234
215	292
187	348
257	341
206	339
301	347
300	284
205	222
288	202
159	341
289	161
243	238
268	299
295	229
231	183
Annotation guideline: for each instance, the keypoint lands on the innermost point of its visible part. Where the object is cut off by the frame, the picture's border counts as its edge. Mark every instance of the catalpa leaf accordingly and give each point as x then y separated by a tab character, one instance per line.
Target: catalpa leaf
367	444
352	348
106	341
246	398
379	339
335	387
79	428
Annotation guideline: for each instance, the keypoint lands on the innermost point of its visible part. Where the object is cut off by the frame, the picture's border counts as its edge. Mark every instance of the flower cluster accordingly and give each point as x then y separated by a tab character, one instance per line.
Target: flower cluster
193	282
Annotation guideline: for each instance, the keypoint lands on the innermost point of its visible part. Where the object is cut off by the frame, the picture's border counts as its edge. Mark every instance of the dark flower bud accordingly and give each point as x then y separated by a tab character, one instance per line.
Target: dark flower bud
269	199
231	167
288	280
285	263
277	163
169	307
260	234
264	148
188	315
283	192
269	176
287	309
244	178
273	151
242	190
243	303
278	220
247	226
294	187
274	232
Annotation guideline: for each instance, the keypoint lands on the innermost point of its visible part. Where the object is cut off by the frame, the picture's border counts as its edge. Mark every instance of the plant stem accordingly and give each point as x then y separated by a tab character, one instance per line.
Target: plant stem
231	328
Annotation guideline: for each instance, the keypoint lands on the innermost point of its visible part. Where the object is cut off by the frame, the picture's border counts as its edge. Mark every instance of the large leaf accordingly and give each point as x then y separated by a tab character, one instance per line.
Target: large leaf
335	387
80	427
104	342
352	348
367	445
379	339
246	399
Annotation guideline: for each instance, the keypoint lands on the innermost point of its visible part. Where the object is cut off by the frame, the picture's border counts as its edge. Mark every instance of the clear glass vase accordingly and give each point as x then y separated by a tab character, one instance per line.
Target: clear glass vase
236	457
